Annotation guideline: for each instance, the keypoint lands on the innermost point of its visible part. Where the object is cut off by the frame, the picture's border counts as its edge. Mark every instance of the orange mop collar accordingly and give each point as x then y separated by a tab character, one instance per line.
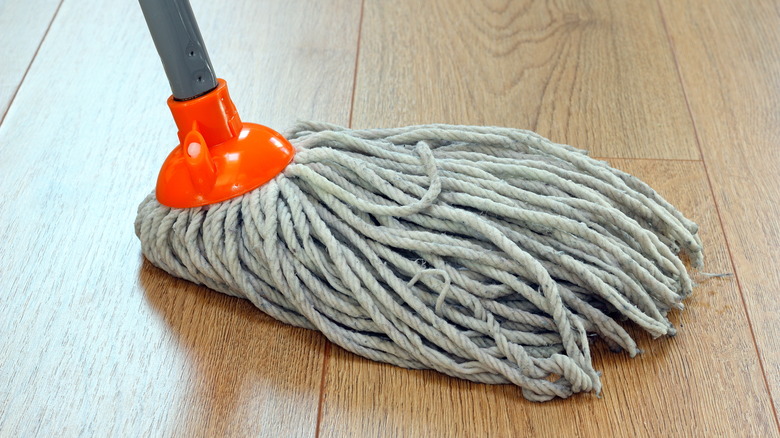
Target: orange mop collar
218	156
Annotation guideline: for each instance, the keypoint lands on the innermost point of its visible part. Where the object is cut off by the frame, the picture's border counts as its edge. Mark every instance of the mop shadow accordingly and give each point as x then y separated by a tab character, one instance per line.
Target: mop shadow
236	355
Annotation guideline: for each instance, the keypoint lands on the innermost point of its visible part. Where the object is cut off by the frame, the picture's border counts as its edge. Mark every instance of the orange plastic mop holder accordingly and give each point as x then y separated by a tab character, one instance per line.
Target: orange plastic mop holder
218	156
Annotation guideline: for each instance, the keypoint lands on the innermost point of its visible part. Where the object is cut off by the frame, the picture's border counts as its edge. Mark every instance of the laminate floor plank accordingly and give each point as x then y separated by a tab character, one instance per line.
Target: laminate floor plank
23	25
729	57
598	75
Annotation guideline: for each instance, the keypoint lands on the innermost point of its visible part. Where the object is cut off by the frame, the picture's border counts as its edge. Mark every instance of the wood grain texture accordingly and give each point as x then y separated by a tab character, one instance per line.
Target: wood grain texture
22	27
597	74
706	381
729	56
96	341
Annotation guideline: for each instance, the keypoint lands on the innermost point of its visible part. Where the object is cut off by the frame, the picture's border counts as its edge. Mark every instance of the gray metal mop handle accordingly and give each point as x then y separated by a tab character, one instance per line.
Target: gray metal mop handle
180	46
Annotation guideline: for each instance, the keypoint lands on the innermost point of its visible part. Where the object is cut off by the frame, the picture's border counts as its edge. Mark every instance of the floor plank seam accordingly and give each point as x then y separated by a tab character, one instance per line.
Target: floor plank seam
323	377
357	62
29	65
676	160
720	218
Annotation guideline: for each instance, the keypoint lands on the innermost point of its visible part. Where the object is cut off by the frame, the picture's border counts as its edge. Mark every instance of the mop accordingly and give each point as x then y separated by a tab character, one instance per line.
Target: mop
488	254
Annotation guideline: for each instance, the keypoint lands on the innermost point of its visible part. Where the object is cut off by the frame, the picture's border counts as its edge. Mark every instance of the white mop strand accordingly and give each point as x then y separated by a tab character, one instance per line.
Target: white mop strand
488	254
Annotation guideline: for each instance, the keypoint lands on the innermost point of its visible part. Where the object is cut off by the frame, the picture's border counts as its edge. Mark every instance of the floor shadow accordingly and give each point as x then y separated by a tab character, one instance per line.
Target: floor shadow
244	365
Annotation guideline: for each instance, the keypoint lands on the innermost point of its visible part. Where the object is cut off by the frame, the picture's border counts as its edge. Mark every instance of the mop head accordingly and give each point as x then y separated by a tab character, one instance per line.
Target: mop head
488	254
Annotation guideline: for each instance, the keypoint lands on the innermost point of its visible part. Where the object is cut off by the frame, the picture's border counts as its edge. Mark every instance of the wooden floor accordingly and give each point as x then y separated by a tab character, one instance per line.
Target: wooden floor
97	342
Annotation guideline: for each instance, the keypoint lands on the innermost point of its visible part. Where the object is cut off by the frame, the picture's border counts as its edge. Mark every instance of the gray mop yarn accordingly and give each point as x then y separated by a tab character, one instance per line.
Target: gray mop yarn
488	254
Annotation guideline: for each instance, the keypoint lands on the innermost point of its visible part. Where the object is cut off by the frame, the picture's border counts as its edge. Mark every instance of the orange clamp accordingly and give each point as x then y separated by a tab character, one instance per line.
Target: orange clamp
218	157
